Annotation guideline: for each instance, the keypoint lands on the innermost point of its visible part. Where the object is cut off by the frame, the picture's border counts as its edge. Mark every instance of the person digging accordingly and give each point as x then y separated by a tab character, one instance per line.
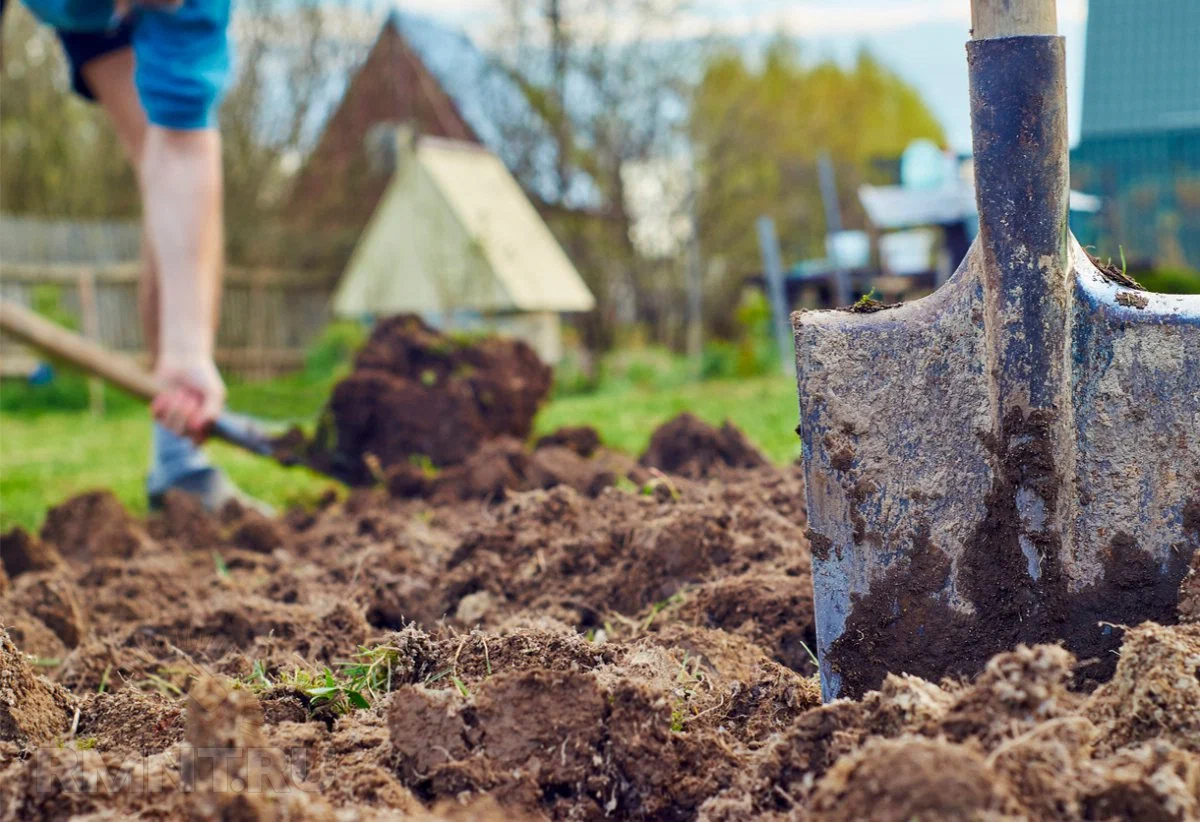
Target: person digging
159	70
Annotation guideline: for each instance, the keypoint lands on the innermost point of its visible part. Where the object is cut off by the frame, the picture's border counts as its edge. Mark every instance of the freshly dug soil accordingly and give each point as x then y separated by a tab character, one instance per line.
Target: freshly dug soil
554	653
691	448
418	395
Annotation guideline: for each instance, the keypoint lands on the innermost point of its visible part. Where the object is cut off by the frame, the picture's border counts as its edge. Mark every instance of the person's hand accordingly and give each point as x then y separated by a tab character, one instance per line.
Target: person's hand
192	396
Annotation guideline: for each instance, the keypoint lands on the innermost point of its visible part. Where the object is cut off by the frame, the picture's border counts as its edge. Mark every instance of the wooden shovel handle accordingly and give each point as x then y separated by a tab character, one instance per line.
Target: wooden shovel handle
1012	18
120	371
84	354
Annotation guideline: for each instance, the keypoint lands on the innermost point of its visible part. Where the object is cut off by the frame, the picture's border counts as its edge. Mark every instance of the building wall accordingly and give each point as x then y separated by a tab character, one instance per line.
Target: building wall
1140	143
1150	183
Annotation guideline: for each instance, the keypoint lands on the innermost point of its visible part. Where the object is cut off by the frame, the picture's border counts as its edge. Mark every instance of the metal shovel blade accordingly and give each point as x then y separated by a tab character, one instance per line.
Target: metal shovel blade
1016	458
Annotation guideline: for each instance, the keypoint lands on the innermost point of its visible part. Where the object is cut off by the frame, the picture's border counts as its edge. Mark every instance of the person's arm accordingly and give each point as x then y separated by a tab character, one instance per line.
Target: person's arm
181	191
181	68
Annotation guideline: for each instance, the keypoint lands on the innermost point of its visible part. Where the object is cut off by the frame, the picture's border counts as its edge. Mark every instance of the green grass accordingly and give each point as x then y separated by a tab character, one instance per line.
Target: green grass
46	457
764	407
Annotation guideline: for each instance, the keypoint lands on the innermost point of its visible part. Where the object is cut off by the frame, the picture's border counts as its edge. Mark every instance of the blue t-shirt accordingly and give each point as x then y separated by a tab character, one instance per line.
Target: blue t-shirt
182	54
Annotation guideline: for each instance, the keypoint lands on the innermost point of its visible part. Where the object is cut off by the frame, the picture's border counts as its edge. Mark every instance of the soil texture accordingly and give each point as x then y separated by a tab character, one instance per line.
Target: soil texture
509	638
423	397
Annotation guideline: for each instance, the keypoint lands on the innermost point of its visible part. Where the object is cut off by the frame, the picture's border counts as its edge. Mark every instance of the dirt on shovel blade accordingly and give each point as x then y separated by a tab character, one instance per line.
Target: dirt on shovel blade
417	396
637	653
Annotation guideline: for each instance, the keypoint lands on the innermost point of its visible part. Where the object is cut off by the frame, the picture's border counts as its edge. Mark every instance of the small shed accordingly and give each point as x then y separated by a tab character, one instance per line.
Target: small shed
455	239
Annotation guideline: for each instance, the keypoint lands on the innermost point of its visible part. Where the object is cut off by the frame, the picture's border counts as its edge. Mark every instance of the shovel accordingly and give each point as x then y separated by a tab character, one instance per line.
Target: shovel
127	375
1016	458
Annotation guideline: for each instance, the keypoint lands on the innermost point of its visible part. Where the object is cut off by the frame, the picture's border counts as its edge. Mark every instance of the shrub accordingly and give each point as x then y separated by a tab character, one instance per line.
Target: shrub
335	348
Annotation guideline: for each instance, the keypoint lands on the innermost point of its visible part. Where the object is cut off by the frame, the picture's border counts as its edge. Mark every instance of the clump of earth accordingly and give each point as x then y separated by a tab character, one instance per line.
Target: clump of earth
532	648
418	396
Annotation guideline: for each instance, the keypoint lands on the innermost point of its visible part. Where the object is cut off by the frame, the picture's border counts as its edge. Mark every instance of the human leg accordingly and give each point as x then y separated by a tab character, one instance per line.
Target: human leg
107	77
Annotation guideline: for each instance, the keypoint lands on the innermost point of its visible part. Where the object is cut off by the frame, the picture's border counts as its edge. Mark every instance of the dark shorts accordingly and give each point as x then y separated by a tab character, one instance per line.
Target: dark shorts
182	53
81	47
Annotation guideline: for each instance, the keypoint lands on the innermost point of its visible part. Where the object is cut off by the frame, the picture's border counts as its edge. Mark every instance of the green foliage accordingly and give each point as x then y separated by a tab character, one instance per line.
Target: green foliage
1170	281
760	131
754	353
574	375
333	351
61	159
370	675
423	462
644	367
719	360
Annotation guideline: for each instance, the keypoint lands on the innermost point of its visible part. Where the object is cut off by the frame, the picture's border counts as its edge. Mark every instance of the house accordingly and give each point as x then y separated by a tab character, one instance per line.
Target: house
341	181
412	143
455	239
1139	143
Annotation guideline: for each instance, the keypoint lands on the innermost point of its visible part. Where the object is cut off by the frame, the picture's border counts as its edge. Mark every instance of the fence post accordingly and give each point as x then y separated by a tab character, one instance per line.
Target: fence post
90	315
768	244
258	325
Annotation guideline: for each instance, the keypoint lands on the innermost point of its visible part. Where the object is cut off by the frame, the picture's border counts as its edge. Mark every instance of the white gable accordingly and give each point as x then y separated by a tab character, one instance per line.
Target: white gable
456	232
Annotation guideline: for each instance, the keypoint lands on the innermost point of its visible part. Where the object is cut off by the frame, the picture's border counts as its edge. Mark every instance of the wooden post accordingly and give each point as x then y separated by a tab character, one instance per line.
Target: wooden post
258	326
1012	18
91	329
768	244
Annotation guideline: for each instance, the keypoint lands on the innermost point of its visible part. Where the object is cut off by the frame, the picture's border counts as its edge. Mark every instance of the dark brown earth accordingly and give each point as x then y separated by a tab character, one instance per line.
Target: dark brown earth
691	448
633	653
417	396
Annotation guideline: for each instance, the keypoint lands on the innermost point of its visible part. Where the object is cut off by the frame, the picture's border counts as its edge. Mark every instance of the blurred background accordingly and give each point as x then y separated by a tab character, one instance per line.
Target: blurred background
640	188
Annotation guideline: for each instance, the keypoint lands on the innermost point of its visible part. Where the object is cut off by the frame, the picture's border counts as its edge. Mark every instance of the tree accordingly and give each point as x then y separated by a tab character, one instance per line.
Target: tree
60	158
292	63
757	135
599	94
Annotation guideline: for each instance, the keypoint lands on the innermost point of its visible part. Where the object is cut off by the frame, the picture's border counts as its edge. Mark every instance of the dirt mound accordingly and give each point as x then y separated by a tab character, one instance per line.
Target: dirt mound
913	778
416	394
1155	693
691	448
498	468
1189	593
92	526
583	440
21	552
32	710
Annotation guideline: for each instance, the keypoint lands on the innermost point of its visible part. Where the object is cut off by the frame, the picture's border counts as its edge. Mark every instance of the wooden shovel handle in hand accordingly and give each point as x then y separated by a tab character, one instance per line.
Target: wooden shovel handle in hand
117	370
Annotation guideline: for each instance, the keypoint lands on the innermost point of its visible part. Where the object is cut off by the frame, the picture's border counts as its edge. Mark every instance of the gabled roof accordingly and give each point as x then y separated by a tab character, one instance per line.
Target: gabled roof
1143	67
456	232
421	73
337	187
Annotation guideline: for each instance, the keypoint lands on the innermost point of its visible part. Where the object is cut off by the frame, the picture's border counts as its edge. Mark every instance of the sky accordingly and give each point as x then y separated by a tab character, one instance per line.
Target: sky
922	40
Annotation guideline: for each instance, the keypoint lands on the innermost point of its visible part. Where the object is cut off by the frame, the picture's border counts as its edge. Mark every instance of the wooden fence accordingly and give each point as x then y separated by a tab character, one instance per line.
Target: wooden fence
268	319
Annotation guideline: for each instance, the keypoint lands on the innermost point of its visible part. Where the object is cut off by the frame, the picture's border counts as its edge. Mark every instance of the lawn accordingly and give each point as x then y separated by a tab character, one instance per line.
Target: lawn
46	457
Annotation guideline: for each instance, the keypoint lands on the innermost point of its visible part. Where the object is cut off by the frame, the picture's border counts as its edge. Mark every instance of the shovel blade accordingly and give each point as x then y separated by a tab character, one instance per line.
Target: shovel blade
945	529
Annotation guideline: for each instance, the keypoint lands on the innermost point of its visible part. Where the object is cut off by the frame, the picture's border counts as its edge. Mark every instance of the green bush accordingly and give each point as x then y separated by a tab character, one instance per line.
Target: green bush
756	351
719	360
335	348
572	377
644	367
